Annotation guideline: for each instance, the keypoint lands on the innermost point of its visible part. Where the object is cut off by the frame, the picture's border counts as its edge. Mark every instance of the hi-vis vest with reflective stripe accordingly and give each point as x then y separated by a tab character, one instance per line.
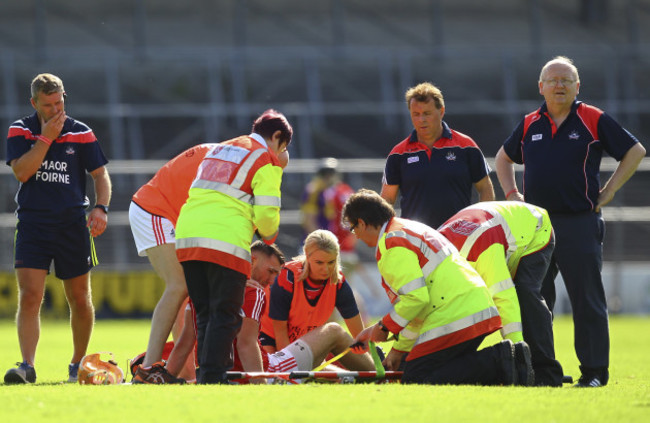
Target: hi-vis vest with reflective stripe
493	236
438	299
236	189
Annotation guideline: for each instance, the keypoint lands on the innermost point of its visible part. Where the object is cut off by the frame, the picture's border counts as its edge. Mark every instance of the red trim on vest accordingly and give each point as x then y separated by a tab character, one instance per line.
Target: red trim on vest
268	157
206	254
431	238
216	170
391	324
401	242
485	327
494	235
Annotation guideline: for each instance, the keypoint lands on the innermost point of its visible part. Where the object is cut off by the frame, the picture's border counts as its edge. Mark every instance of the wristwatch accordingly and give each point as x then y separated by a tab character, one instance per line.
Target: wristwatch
382	326
102	207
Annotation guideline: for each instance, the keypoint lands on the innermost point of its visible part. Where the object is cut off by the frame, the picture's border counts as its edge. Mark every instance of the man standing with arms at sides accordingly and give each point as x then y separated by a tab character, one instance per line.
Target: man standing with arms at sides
235	193
435	167
560	146
50	154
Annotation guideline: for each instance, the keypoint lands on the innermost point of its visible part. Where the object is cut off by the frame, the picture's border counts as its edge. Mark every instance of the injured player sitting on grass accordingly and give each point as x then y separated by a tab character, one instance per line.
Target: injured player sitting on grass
305	353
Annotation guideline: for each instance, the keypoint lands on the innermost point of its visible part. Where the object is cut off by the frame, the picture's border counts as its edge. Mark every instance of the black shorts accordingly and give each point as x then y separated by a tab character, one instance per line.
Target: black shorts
69	245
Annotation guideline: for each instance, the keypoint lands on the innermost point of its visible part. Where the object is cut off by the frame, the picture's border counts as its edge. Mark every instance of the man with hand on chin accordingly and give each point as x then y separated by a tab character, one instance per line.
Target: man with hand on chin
50	154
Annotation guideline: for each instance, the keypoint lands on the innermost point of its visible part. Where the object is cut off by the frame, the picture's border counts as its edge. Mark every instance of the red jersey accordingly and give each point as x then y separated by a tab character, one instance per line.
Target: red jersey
337	195
254	307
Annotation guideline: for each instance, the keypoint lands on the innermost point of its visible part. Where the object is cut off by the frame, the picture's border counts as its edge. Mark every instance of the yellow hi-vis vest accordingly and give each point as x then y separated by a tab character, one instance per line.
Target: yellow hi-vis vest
493	236
236	190
438	299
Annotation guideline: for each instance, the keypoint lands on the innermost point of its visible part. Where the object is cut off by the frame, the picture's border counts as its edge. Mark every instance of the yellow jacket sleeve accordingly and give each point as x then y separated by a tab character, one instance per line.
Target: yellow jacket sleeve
267	199
492	267
401	270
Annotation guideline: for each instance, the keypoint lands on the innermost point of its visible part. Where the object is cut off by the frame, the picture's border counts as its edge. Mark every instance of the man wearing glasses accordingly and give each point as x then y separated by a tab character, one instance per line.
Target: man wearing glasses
561	145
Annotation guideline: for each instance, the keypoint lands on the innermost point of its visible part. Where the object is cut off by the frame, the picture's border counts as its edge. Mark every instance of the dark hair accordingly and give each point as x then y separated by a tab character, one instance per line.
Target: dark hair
366	204
271	121
268	250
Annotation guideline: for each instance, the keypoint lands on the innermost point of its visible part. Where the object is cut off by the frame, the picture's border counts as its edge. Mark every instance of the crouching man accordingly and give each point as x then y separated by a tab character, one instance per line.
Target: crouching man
442	309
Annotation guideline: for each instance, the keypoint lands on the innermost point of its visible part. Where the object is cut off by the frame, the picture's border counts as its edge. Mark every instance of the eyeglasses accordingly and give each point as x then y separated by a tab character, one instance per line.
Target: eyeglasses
554	82
353	226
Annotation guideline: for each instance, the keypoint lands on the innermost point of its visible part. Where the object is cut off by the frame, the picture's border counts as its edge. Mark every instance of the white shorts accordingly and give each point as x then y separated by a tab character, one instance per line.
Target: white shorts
149	230
296	356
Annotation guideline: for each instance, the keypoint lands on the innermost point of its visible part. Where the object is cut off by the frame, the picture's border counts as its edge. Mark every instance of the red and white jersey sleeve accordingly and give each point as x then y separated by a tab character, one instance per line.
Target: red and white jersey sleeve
254	303
253	308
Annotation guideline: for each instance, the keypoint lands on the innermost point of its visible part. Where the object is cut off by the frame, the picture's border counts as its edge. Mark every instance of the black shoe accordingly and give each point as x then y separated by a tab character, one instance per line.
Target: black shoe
592	377
589	382
24	373
523	363
506	357
157	374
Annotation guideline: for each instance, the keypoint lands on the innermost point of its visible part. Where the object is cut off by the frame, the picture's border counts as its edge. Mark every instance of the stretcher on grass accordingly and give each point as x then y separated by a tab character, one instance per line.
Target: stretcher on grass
344	376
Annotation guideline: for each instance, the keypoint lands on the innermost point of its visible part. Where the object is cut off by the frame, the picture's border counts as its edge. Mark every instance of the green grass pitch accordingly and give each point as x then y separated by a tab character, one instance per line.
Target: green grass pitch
625	399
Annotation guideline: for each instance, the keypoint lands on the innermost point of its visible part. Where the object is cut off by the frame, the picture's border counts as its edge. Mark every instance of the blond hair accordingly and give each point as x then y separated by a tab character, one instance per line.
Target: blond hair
47	84
423	93
320	240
